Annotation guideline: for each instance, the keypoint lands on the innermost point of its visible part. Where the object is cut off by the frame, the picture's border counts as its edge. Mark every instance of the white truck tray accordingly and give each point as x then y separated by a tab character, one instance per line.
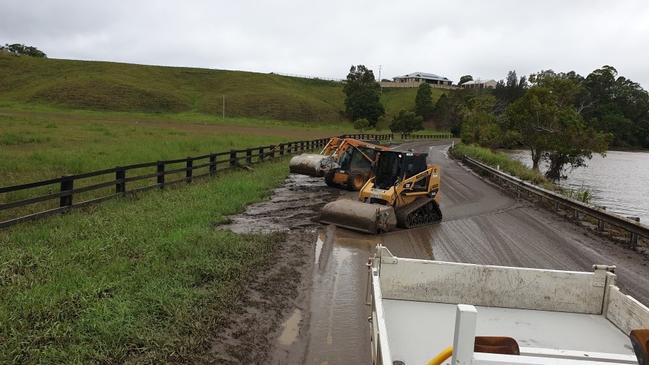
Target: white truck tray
420	307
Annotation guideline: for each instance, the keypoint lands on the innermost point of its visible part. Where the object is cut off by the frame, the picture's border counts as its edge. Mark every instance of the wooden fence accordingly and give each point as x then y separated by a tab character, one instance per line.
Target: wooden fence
42	198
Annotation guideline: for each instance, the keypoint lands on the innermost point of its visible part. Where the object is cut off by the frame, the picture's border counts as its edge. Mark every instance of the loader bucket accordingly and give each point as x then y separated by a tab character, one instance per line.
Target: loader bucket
307	164
359	216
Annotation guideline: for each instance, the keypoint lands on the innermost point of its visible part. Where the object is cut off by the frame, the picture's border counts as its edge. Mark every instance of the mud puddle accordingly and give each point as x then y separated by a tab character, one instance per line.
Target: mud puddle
294	205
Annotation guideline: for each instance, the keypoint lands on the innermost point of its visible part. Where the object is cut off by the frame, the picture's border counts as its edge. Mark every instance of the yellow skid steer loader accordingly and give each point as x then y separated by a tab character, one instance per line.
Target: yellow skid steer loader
403	193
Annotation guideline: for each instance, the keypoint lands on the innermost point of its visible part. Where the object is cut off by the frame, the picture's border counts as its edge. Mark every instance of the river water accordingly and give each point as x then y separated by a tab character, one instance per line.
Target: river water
619	181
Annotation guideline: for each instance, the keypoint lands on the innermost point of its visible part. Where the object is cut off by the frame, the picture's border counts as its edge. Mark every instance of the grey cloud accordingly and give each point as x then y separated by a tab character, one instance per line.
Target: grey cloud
452	38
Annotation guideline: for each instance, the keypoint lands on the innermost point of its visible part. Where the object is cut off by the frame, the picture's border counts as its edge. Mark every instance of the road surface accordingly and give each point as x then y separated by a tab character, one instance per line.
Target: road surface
481	225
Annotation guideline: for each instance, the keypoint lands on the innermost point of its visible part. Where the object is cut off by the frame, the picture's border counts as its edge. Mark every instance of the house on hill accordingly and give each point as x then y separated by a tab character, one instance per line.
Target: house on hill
479	84
417	78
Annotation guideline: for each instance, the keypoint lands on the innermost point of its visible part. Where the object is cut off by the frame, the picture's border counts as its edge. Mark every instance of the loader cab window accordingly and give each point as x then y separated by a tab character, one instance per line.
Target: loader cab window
388	170
345	159
415	164
359	162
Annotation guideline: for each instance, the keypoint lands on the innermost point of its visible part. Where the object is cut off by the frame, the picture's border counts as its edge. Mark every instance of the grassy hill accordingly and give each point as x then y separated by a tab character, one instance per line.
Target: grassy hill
154	89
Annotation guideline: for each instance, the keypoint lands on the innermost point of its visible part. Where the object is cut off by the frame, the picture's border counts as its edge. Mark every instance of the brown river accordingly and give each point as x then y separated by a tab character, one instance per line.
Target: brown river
619	181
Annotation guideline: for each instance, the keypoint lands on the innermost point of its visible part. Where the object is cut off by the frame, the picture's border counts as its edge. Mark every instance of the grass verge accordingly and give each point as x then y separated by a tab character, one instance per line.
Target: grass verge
518	169
500	159
146	280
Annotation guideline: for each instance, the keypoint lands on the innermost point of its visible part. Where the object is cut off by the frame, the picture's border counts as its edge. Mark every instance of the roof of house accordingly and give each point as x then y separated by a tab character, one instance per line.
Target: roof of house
479	82
423	75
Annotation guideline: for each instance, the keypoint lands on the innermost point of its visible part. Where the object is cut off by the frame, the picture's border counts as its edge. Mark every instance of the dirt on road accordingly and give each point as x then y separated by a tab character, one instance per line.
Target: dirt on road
310	307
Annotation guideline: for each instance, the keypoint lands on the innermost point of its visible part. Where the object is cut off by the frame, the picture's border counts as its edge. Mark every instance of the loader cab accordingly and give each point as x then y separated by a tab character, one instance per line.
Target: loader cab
395	166
356	159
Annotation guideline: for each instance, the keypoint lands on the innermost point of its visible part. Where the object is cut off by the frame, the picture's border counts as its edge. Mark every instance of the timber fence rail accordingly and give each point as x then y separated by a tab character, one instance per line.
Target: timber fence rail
603	218
33	200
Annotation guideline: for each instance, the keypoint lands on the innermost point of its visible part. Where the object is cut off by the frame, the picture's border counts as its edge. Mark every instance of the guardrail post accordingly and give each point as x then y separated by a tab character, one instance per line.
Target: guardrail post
249	156
189	169
67	184
302	146
233	158
161	174
212	164
600	225
281	149
633	240
261	154
575	214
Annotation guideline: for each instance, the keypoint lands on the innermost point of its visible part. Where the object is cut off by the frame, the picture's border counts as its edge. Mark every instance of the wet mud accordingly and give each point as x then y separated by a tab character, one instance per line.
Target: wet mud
271	313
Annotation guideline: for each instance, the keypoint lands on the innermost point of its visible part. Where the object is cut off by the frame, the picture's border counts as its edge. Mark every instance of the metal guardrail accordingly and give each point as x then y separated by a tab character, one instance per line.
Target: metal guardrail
634	228
58	195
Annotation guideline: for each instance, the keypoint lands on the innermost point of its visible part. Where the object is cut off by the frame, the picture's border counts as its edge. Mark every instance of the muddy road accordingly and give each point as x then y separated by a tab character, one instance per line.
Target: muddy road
325	320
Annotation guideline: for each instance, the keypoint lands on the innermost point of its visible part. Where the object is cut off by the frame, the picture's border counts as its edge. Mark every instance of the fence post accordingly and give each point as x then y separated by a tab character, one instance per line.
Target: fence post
261	154
301	146
189	169
272	151
161	174
233	158
212	164
67	184
249	156
120	184
281	149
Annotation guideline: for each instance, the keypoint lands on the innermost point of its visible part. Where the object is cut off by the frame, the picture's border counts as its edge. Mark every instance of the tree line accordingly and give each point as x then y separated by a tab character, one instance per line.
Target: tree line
22	50
561	117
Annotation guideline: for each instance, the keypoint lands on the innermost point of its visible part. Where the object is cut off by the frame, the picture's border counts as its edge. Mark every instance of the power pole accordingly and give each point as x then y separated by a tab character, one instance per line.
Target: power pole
381	85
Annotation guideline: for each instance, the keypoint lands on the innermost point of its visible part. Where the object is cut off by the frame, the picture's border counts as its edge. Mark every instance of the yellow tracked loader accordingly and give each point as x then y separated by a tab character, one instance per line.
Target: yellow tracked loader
403	193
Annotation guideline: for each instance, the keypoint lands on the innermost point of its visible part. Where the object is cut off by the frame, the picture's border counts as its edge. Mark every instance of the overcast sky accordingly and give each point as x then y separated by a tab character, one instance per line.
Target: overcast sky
323	38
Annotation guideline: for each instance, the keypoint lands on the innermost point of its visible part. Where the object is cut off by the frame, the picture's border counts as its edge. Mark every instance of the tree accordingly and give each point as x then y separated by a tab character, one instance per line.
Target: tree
619	106
22	50
424	101
509	90
553	130
363	95
479	122
406	122
450	109
361	124
465	78
535	117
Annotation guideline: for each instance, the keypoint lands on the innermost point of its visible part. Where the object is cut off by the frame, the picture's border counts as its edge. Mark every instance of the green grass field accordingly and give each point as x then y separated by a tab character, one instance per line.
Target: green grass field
155	89
146	279
36	145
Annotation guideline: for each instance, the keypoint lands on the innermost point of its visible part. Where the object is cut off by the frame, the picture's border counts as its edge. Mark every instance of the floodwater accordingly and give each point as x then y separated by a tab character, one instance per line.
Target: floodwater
619	181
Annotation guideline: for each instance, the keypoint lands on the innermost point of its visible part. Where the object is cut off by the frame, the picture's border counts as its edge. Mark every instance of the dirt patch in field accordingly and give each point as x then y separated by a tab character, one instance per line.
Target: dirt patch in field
270	309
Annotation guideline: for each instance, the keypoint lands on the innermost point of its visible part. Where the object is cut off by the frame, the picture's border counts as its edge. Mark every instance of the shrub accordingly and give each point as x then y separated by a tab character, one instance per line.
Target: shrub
361	124
406	122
